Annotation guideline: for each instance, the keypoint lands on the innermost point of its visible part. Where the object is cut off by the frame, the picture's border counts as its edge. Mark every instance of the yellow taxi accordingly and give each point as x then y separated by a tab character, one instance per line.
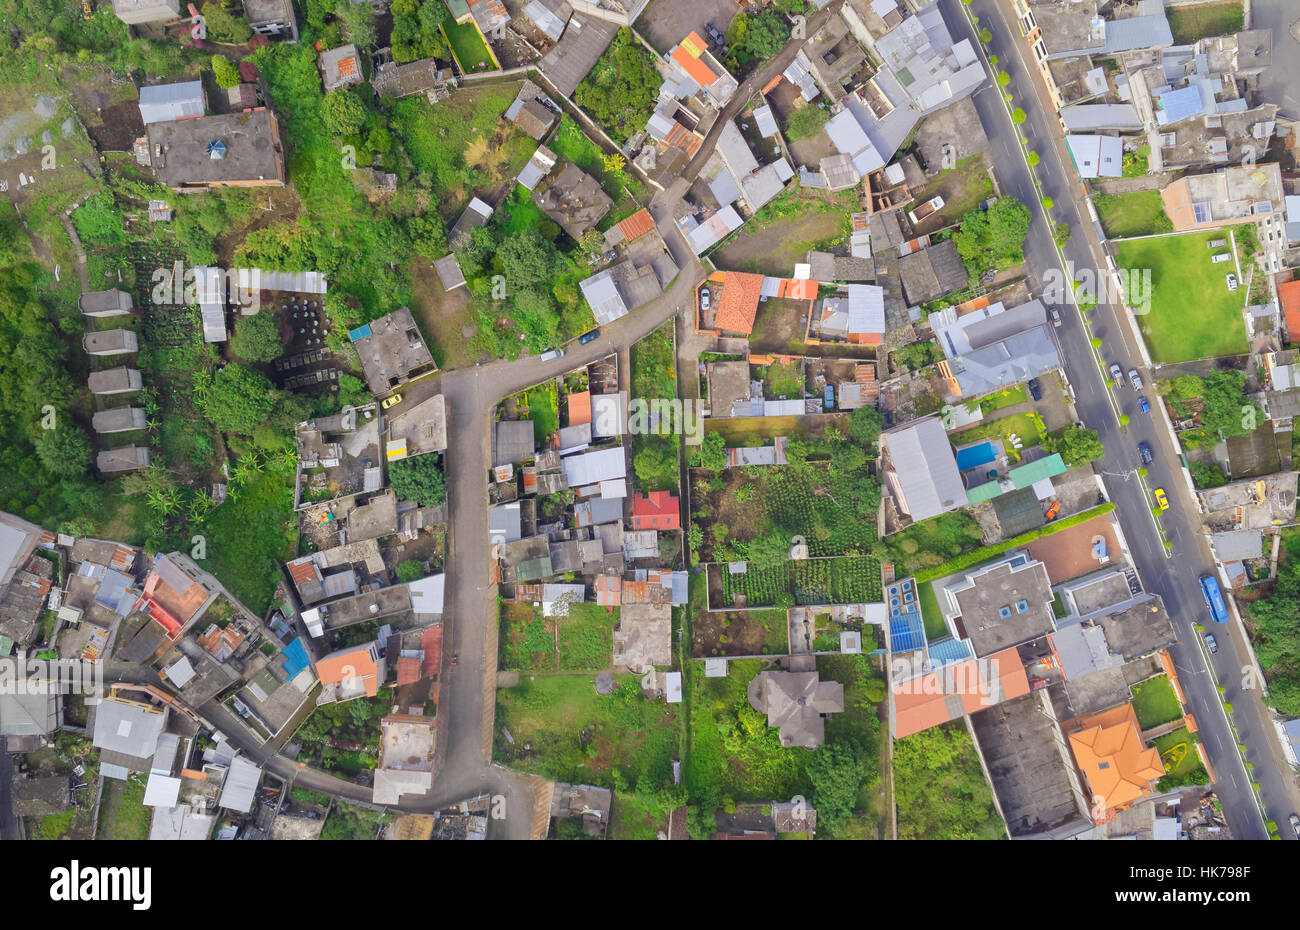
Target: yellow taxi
391	401
1161	500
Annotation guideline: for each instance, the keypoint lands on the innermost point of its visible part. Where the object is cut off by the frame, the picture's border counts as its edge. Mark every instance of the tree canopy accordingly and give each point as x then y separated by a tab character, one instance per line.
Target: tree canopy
1077	446
620	91
257	337
239	400
419	479
993	238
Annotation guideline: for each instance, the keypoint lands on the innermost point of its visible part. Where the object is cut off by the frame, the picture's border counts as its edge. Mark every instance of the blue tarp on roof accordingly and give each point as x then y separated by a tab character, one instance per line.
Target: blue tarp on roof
295	658
361	332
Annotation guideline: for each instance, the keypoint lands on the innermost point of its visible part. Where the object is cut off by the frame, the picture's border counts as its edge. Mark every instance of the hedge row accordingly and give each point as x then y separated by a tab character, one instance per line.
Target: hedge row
977	556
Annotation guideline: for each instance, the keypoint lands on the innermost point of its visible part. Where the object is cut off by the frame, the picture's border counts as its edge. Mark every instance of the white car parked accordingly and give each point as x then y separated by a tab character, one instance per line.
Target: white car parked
1232	282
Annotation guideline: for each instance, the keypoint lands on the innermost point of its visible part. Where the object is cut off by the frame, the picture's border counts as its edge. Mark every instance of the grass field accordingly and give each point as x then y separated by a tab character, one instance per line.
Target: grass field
1189	23
123	815
1178	761
1021	424
1140	213
577	735
1193	314
930	612
586	637
472	53
1155	702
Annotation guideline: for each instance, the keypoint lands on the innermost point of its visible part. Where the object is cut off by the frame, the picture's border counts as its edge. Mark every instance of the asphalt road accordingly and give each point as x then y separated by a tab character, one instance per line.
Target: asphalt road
1174	579
1280	83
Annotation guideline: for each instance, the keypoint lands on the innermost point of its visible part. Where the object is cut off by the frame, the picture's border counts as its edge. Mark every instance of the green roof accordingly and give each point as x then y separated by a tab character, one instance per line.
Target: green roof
1040	470
982	492
459	8
1021	477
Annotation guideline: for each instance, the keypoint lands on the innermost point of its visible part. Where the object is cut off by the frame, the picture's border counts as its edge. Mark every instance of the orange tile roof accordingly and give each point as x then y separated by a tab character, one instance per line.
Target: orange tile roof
636	225
408	670
738	304
304	570
431	643
800	289
697	69
961	688
347	67
1110	753
1289	294
579	408
658	510
351	663
693	44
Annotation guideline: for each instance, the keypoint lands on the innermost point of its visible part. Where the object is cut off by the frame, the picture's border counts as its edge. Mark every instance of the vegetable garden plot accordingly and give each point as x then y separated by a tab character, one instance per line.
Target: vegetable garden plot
812	581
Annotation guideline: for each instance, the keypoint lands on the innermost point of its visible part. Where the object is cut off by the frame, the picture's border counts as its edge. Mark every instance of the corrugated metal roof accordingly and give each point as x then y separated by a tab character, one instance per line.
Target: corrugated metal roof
163	102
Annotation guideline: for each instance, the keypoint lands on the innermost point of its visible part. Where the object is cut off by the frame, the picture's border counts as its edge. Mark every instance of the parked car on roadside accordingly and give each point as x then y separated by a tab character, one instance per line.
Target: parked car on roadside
1056	316
1144	450
1162	501
1212	644
587	337
552	355
1143	405
1116	375
1135	379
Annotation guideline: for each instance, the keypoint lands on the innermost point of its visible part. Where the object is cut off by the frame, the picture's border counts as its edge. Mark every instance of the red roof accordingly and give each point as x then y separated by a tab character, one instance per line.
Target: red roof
431	643
658	510
697	69
638	224
579	408
408	670
738	304
1289	294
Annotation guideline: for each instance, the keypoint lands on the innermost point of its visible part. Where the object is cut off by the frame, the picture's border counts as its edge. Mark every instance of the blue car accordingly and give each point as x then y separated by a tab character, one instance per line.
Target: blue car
588	337
1143	405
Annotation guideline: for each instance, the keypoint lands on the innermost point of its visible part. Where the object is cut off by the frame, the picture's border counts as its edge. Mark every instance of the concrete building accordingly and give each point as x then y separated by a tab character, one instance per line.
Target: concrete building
392	351
229	150
160	103
134	12
127	458
110	342
115	381
119	420
105	303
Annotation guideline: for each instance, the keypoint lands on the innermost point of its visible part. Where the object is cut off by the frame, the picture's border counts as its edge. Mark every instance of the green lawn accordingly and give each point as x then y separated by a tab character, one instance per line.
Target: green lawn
930	612
250	534
1189	23
1004	398
1155	702
123	815
577	735
472	53
1193	314
1178	761
586	637
1140	213
1022	424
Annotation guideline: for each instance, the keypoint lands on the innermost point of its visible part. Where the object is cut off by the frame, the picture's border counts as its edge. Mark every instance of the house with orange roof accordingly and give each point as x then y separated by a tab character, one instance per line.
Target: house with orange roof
579	407
692	70
1288	294
658	510
351	673
954	690
172	595
1118	767
738	302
